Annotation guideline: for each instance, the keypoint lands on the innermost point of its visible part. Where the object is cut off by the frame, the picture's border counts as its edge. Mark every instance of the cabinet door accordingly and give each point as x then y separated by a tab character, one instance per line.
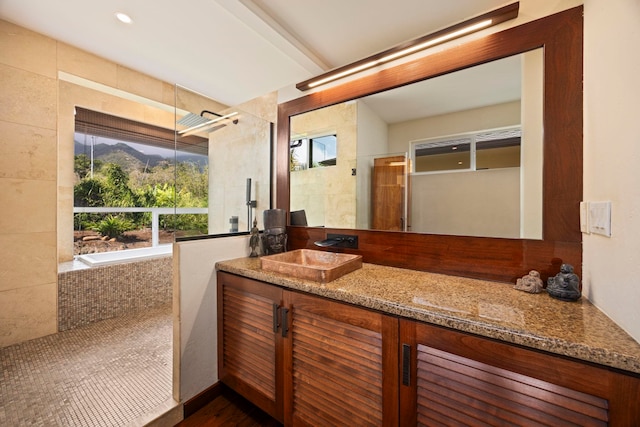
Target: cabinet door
341	364
249	340
452	378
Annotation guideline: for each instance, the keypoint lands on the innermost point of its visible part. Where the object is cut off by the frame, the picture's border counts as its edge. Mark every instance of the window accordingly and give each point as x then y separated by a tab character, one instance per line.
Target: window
491	149
315	152
132	175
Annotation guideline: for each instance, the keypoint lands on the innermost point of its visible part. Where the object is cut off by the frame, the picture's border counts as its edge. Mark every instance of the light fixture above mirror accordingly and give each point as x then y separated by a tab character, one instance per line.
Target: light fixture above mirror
452	32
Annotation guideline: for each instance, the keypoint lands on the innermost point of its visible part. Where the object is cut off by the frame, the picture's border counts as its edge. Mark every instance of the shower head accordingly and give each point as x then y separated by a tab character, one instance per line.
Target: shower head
202	124
192	119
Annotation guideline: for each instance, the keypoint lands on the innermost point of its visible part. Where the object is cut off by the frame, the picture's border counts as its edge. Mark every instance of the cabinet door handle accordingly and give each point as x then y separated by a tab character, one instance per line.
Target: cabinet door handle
275	317
406	364
285	321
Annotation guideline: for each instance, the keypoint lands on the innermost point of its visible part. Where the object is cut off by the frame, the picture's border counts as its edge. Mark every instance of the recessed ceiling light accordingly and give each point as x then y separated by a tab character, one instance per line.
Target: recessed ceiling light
123	17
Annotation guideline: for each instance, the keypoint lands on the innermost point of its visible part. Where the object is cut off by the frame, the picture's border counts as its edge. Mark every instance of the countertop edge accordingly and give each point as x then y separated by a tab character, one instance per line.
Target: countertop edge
600	356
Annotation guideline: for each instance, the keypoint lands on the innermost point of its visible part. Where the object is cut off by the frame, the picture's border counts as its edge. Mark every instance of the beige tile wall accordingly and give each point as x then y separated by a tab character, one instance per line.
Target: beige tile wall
28	180
36	162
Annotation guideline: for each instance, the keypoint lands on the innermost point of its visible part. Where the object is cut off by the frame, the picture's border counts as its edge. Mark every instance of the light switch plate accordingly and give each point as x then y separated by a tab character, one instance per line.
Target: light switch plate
600	218
584	217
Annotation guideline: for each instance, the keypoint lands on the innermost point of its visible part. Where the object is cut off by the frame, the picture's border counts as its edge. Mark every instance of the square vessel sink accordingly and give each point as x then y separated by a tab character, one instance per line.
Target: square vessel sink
308	264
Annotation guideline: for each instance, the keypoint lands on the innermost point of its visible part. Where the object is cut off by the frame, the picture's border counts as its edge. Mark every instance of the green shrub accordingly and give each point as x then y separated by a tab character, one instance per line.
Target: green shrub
88	192
114	226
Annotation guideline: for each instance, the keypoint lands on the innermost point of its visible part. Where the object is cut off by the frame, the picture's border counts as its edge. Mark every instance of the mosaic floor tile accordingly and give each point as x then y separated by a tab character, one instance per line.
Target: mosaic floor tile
105	374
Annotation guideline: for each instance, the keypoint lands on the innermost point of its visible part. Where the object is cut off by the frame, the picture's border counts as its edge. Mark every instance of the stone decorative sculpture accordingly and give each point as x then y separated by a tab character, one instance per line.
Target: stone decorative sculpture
274	241
564	285
254	240
274	238
531	283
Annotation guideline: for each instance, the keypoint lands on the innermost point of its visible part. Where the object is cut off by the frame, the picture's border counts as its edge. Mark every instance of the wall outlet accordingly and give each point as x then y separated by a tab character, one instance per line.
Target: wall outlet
600	218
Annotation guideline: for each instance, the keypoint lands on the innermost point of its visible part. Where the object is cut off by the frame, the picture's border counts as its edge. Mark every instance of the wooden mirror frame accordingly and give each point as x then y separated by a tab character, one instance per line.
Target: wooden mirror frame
561	37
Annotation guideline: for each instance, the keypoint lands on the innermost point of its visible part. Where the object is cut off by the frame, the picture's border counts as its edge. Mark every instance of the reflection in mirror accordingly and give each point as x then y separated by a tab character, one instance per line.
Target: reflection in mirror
383	196
230	184
495	196
327	194
316	152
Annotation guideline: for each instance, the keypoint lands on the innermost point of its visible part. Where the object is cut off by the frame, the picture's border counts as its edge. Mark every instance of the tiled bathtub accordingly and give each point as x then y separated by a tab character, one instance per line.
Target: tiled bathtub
92	294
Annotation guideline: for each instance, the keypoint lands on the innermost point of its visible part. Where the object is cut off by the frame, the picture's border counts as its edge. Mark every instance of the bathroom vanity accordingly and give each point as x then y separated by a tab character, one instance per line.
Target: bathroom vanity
390	346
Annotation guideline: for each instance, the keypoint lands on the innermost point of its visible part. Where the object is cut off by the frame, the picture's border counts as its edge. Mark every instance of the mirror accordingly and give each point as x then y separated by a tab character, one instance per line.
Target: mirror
498	193
560	36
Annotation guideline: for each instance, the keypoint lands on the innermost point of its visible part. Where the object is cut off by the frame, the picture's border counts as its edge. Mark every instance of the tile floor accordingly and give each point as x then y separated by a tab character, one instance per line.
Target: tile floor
110	373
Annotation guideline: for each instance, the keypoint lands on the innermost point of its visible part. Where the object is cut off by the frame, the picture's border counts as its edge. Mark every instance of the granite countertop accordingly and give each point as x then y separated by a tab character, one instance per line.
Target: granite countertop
491	309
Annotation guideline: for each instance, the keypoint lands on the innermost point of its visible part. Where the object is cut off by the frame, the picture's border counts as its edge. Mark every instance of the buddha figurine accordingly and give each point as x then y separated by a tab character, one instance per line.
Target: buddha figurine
564	285
274	237
274	241
531	283
254	240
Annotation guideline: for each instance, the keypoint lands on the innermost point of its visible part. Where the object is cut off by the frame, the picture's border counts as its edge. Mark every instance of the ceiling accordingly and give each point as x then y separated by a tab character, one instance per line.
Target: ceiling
237	50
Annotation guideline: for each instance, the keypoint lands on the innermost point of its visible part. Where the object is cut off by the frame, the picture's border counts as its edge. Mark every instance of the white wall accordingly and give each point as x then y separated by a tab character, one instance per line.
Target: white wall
195	350
474	203
491	117
611	266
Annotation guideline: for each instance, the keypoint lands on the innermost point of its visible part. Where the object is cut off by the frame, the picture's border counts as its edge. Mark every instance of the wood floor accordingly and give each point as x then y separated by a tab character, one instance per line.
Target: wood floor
229	409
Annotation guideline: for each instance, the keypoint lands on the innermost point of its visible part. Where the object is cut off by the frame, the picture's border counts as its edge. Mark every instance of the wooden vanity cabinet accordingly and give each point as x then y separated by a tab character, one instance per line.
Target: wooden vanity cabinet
341	364
307	360
304	359
455	378
249	342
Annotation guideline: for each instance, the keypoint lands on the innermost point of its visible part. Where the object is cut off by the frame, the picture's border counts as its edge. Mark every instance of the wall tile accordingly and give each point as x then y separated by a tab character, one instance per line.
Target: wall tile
26	50
140	84
86	65
27	152
265	107
168	93
65	223
27	98
28	259
93	294
66	146
27	313
194	102
158	117
29	206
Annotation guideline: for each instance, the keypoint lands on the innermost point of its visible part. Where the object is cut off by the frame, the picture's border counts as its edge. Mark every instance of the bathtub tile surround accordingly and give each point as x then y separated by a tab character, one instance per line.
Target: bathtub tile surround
92	294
